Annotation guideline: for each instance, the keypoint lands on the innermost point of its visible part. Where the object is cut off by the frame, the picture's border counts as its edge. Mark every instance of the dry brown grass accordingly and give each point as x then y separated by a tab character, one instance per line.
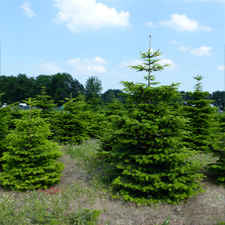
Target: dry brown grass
83	190
205	209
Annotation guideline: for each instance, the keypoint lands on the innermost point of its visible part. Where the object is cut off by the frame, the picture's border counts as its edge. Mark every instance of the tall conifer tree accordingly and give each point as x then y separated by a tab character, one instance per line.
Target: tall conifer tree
146	150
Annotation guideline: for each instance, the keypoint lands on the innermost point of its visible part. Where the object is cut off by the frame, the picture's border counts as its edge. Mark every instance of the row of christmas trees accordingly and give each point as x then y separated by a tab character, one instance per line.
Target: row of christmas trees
148	142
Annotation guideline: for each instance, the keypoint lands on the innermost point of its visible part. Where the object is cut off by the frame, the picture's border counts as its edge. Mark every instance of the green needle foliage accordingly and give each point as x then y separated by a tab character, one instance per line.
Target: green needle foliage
203	127
30	162
218	168
149	162
150	64
68	124
46	103
4	125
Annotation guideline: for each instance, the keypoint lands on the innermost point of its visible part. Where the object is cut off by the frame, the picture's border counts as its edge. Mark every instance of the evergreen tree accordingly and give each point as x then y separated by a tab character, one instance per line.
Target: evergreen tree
202	119
30	160
68	124
146	151
4	125
218	168
150	64
45	102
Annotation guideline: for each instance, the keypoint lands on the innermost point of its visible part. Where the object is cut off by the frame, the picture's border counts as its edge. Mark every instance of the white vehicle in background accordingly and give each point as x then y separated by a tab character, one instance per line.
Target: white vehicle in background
4	105
23	105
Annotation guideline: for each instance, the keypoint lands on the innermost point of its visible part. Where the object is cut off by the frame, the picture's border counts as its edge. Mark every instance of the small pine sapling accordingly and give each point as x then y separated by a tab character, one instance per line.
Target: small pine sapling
30	162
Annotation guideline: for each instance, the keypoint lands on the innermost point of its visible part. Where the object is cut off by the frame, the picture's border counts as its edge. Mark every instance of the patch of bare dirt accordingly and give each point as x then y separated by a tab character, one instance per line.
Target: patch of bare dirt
205	209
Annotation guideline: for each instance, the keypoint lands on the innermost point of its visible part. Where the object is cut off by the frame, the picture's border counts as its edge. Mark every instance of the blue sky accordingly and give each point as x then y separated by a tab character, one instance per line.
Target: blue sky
101	38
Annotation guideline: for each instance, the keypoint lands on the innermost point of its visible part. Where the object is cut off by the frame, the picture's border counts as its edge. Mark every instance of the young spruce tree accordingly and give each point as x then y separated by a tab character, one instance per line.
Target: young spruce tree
203	127
68	124
30	162
45	103
218	168
146	151
4	125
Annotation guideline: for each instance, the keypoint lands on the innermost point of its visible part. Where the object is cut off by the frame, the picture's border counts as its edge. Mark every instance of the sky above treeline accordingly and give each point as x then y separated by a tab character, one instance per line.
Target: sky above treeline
101	38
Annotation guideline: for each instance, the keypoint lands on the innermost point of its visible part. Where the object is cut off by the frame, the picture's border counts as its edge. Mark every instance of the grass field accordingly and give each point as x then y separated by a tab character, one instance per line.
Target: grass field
81	195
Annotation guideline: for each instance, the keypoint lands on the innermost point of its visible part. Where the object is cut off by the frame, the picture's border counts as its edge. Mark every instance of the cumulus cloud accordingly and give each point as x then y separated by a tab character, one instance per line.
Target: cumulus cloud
81	15
204	50
88	66
49	68
221	67
132	62
150	24
173	66
26	6
183	23
162	61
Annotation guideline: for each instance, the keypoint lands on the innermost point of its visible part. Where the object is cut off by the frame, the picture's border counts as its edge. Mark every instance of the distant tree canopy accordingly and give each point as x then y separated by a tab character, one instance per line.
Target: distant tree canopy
111	94
59	86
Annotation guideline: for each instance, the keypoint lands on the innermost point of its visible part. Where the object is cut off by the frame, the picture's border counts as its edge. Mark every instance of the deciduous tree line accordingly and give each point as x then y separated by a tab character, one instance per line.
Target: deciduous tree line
58	86
61	85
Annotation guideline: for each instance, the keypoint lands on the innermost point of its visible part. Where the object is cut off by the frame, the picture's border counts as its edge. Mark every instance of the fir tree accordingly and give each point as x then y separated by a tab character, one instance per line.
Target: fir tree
150	64
68	124
202	119
46	103
4	125
30	160
218	168
146	151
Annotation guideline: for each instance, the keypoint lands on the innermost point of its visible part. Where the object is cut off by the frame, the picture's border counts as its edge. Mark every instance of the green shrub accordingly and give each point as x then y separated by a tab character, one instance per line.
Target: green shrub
85	217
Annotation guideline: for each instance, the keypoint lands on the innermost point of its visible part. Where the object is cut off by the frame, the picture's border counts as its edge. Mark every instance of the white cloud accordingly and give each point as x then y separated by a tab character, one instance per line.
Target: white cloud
150	24
81	15
99	60
204	50
221	67
162	61
26	6
132	62
49	68
173	66
183	23
184	48
88	66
